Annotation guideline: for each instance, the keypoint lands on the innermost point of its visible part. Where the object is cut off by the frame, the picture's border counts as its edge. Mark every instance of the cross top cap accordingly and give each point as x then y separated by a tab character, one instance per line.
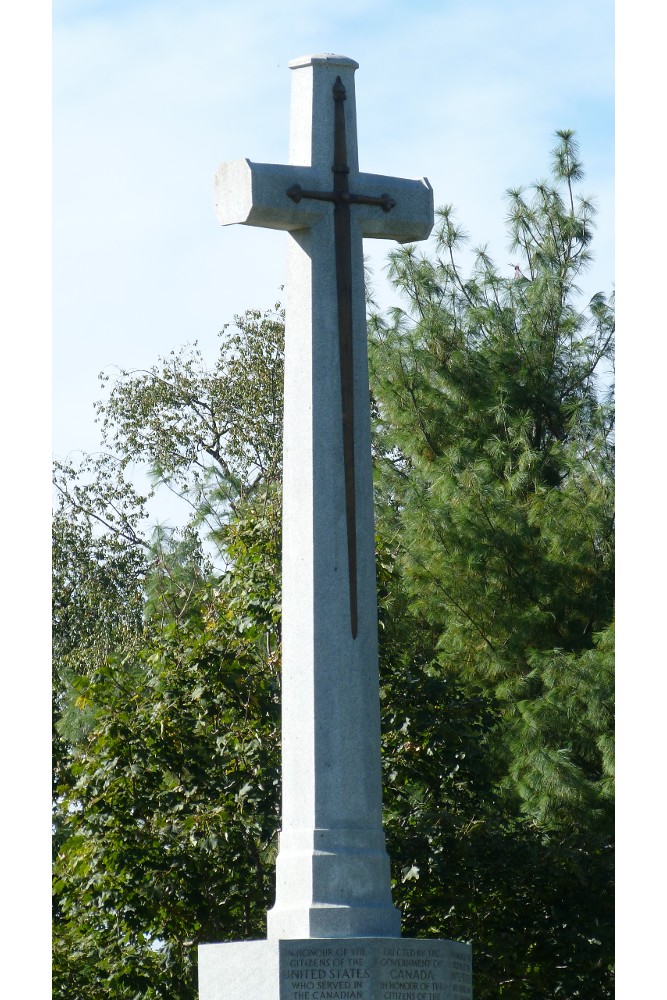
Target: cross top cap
327	58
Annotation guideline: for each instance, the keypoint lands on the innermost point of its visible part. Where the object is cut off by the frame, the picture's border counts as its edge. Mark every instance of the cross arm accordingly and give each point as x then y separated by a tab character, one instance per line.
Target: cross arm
410	219
254	194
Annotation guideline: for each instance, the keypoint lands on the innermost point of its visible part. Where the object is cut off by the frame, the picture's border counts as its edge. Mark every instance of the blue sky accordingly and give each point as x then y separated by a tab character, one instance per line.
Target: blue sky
150	96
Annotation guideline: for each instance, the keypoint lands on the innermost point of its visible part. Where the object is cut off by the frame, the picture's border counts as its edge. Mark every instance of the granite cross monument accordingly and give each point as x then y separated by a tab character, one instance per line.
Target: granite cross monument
333	931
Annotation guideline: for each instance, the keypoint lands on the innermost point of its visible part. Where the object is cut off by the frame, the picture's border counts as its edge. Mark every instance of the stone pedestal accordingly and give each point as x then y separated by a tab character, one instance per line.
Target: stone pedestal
336	969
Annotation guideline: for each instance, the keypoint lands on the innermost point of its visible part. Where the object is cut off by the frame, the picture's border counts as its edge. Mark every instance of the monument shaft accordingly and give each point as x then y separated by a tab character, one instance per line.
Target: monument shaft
333	932
332	875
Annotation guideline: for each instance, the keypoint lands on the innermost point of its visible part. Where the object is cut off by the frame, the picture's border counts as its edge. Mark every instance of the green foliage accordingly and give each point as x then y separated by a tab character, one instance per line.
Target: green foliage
211	436
563	740
494	481
97	609
165	693
494	497
496	473
169	816
466	864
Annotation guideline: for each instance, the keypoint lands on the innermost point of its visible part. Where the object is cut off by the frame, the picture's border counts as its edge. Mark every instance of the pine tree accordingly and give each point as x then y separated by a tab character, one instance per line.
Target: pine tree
494	481
497	480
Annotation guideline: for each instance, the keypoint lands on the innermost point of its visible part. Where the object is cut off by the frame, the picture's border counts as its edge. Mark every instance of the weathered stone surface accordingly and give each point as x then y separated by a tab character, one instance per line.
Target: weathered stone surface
332	875
333	933
346	969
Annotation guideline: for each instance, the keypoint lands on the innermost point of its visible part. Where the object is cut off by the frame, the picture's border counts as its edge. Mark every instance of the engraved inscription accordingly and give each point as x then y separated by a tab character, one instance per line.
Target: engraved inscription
334	972
460	976
424	973
411	974
392	969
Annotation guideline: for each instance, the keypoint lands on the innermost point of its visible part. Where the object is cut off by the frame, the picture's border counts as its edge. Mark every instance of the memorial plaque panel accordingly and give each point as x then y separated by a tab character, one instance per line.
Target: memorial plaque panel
337	969
325	970
423	970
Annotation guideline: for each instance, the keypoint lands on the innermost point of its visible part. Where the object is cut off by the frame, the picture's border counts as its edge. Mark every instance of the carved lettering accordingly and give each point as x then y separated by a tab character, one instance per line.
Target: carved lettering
392	972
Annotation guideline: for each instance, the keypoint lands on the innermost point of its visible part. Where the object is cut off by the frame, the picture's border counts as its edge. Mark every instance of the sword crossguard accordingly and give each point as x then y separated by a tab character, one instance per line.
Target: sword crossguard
386	202
295	193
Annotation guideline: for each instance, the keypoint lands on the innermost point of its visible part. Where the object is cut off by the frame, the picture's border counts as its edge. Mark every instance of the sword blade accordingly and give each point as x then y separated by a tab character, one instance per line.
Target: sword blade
343	245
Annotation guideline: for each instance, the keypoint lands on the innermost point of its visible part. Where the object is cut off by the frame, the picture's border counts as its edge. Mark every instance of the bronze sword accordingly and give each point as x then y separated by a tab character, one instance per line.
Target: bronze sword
342	199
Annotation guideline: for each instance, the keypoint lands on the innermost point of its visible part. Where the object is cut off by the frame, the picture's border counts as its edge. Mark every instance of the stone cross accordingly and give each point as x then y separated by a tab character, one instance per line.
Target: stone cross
333	931
332	877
